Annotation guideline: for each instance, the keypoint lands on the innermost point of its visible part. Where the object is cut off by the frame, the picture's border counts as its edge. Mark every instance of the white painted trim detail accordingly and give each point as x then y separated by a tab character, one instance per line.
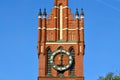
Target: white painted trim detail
77	17
39	27
82	17
56	6
81	28
61	22
73	29
59	7
41	48
44	17
60	43
65	29
66	17
50	28
57	29
55	17
43	28
70	29
65	7
39	16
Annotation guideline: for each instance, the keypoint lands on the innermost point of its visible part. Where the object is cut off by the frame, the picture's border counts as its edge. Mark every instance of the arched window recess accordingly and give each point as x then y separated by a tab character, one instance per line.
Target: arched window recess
48	54
72	68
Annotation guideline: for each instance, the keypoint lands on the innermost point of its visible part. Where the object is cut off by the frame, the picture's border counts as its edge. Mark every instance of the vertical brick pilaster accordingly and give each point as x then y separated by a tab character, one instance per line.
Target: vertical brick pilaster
39	33
65	24
55	23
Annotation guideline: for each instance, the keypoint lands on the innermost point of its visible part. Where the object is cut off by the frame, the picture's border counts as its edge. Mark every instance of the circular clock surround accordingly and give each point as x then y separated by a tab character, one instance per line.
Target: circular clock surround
61	67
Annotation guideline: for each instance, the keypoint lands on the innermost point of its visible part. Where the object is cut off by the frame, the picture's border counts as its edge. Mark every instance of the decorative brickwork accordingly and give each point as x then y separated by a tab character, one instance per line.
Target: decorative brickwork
61	31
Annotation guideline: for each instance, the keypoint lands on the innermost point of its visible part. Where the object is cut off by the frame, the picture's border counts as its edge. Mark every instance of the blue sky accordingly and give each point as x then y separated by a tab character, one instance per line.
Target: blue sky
18	32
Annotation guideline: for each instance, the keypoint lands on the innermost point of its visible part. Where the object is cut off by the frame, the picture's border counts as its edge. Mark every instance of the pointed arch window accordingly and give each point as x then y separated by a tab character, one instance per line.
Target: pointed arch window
72	68
48	71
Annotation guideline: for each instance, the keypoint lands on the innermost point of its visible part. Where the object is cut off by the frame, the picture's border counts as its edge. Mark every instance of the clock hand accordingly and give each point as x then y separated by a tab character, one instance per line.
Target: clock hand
61	58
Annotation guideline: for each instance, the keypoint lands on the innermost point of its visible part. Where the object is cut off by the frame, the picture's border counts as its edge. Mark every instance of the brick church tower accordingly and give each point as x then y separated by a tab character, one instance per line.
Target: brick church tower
61	43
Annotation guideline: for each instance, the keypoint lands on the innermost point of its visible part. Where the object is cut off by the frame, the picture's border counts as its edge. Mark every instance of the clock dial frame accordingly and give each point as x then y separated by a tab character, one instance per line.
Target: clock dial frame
61	60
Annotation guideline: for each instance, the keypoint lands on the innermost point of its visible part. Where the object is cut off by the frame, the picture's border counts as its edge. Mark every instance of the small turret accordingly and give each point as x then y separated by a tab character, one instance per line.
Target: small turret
77	14
44	26
40	14
44	13
39	31
82	14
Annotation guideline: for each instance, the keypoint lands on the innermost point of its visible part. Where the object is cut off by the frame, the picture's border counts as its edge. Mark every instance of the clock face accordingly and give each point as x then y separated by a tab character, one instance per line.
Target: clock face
61	60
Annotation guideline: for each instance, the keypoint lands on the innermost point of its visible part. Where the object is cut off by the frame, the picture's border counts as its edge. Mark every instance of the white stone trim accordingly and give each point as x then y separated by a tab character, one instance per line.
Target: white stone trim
59	7
43	28
44	16
61	22
70	29
50	28
39	16
65	7
73	29
65	29
66	17
57	29
77	17
81	28
55	17
41	48
56	7
39	27
60	43
82	17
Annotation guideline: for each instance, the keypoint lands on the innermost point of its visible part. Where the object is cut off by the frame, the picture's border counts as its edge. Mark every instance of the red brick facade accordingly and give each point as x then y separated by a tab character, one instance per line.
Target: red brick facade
60	30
